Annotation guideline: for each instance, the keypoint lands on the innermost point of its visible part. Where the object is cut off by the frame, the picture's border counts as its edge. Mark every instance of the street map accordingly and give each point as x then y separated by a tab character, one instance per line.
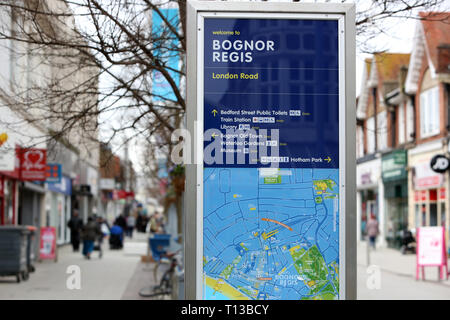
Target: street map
271	233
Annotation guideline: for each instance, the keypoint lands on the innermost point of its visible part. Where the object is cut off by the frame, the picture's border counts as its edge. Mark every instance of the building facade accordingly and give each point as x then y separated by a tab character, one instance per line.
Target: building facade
428	85
25	67
403	121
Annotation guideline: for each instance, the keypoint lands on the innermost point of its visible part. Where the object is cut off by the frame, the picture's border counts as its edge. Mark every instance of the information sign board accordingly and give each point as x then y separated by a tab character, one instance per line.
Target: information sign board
270	199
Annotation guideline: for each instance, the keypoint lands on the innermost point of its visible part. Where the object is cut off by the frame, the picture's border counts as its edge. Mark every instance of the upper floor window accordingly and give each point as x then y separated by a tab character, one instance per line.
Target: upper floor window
429	112
382	131
359	142
370	128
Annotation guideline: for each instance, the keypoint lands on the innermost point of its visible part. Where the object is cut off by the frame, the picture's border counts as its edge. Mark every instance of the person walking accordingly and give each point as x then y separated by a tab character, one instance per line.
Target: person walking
372	230
75	225
131	222
91	232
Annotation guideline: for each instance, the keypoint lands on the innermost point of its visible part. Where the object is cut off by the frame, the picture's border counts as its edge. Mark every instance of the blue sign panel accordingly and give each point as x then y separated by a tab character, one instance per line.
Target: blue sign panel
166	49
64	187
53	173
271	159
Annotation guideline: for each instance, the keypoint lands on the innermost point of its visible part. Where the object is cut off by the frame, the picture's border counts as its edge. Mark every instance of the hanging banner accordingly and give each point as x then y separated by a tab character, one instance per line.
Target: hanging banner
431	250
166	49
271	158
33	164
48	243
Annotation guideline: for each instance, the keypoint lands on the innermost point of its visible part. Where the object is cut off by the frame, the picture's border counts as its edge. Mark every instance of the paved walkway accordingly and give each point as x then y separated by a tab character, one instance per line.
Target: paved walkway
397	277
105	278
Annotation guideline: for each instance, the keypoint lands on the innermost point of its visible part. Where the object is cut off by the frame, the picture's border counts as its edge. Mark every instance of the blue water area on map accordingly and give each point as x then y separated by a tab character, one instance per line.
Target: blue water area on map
210	294
301	73
254	218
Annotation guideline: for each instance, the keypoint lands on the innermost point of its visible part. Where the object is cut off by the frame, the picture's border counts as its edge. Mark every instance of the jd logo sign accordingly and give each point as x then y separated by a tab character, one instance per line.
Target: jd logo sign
440	163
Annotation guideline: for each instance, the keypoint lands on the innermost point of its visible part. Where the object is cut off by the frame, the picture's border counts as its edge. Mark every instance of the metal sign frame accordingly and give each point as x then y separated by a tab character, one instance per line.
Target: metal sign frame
345	15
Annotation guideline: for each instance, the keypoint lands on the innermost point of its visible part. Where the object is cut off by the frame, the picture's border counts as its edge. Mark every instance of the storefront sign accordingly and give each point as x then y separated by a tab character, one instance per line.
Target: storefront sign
439	163
33	163
122	194
48	243
53	173
394	166
431	250
425	178
368	174
107	184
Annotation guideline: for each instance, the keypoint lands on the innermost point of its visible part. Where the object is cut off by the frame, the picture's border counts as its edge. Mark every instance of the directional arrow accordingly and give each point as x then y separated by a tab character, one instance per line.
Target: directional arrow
328	159
214	135
214	112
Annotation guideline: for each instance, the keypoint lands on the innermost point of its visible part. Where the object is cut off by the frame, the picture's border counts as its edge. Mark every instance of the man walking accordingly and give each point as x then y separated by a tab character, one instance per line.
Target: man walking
75	225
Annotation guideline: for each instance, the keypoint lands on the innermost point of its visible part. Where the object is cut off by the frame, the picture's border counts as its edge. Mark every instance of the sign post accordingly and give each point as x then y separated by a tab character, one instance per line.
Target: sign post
431	251
48	249
271	107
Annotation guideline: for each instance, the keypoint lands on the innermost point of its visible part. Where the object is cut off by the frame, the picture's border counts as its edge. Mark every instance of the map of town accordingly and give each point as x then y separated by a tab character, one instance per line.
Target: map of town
271	233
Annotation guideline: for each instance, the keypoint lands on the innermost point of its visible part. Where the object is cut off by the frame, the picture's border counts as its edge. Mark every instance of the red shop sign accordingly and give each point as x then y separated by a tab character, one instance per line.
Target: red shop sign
33	163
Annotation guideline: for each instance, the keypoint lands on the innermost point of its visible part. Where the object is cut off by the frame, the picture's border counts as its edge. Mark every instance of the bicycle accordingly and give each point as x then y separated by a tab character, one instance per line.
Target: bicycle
168	285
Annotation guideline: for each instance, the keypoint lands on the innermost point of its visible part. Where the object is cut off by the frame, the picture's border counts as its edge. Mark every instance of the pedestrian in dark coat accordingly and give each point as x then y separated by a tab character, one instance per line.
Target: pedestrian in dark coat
75	225
91	232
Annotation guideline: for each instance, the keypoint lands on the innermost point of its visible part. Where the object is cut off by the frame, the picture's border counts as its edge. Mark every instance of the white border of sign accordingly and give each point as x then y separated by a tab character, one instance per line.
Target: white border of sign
345	14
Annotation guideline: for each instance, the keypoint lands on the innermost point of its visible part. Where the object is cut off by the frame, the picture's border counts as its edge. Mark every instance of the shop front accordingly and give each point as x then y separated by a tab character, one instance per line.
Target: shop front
370	193
428	203
395	180
59	208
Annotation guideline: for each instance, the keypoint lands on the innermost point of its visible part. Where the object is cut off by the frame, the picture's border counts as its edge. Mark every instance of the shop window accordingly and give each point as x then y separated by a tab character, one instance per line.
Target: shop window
417	215
433	215
382	132
443	214
370	127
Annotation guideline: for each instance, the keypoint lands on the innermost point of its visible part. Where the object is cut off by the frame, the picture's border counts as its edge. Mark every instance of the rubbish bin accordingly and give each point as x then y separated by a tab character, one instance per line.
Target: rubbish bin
13	251
31	250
